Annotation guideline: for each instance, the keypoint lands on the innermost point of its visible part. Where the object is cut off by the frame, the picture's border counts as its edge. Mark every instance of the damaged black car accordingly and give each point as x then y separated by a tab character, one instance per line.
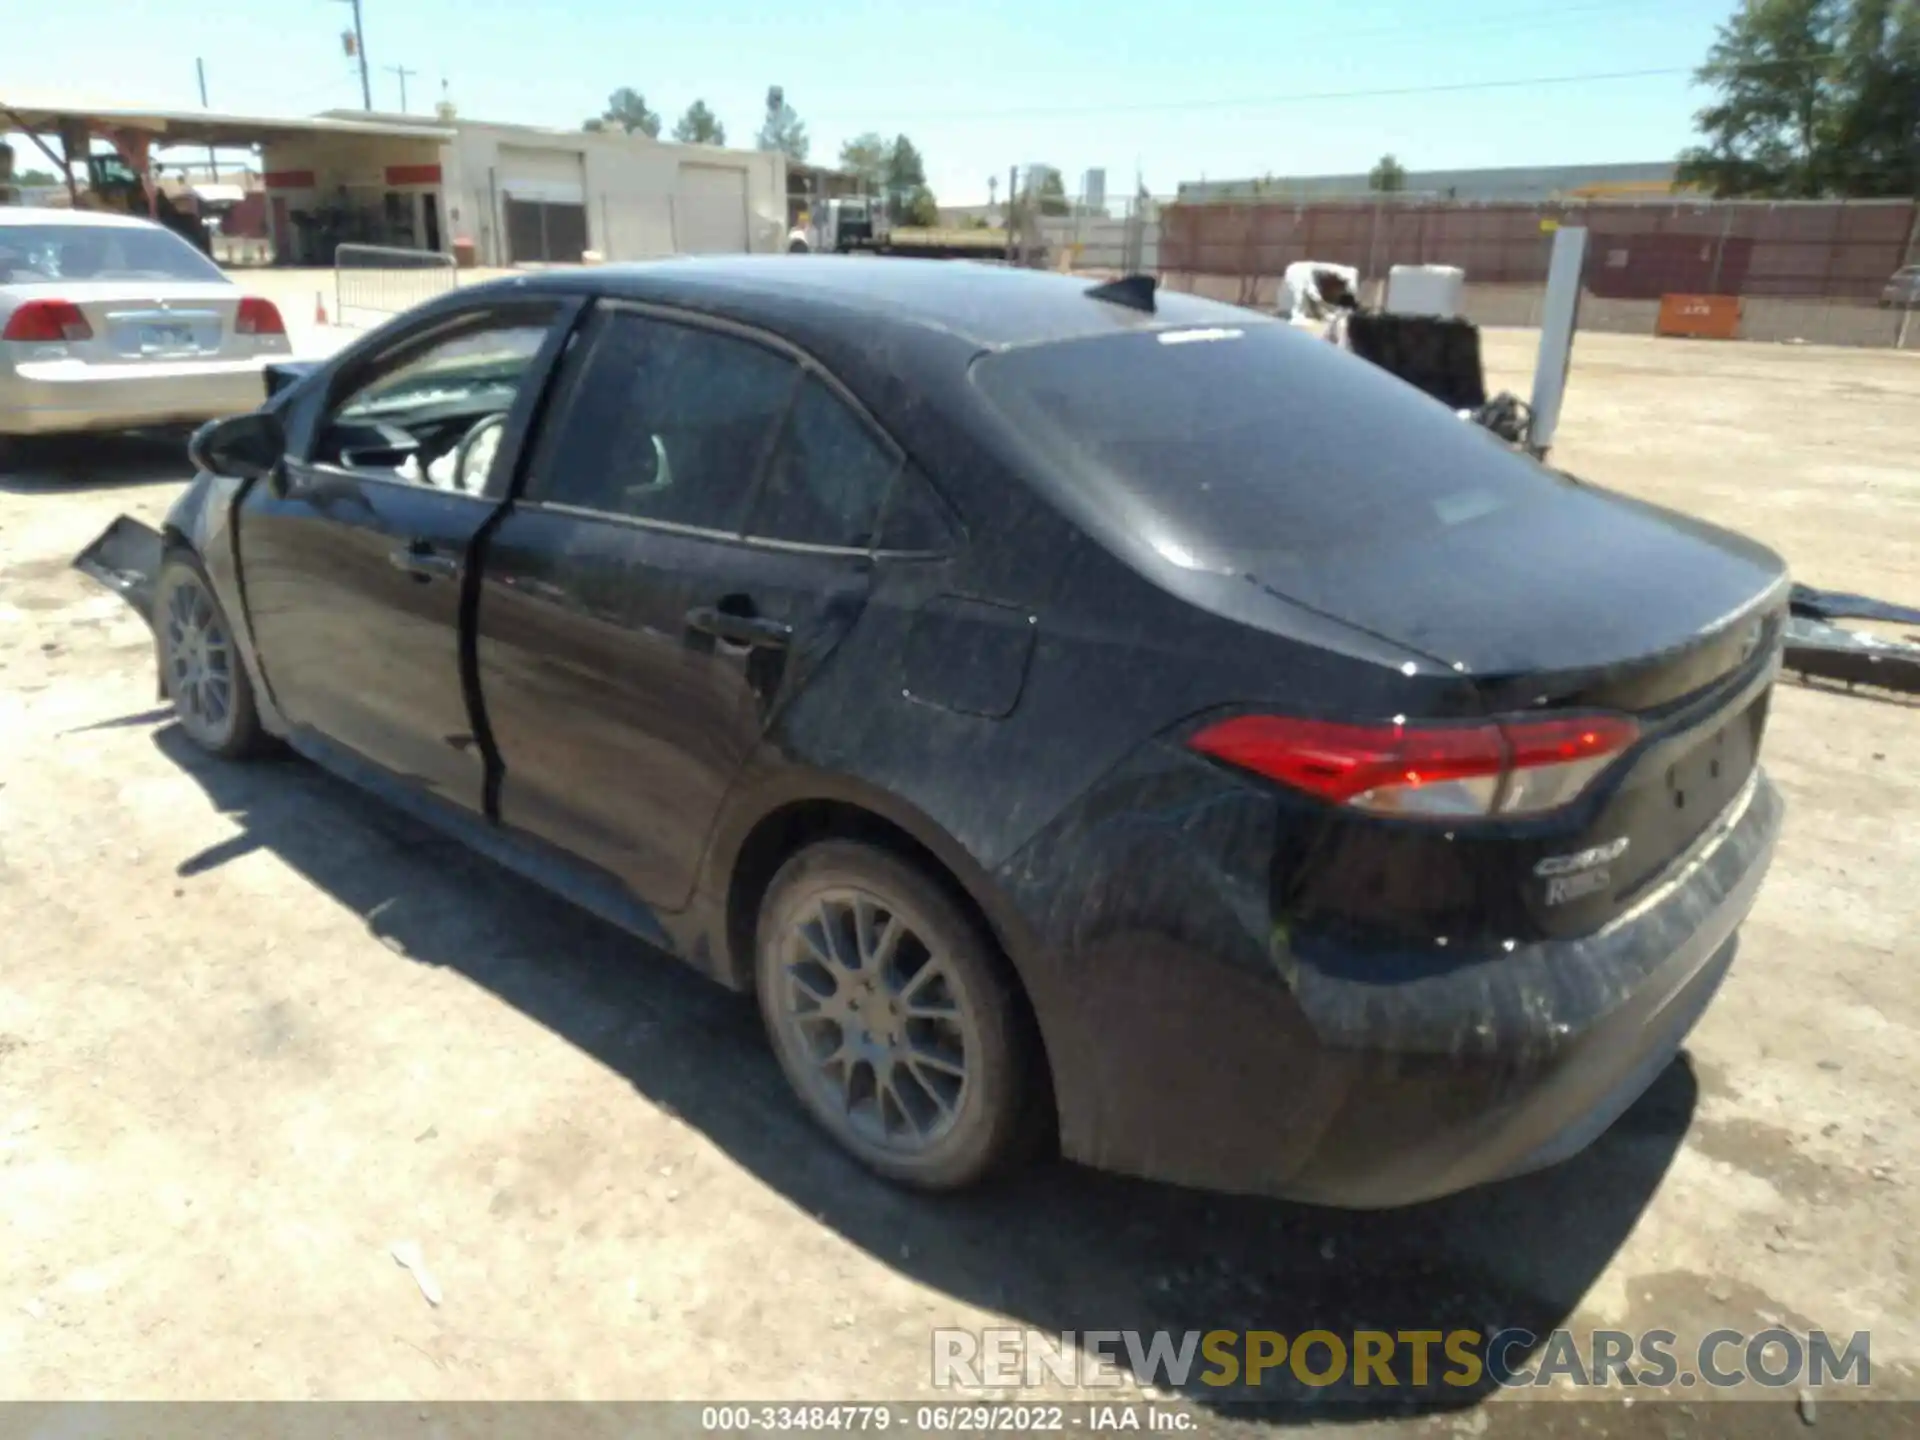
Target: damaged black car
1094	718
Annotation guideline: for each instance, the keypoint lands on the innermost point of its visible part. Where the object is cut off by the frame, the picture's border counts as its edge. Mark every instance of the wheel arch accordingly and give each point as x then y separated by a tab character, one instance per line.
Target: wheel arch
756	839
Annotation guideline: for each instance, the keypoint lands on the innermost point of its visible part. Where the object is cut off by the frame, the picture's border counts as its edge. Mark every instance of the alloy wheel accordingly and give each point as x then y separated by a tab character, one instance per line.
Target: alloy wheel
886	1034
198	662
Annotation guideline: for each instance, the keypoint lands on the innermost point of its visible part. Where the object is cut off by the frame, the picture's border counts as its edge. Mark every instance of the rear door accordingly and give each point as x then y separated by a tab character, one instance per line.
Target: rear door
355	566
694	539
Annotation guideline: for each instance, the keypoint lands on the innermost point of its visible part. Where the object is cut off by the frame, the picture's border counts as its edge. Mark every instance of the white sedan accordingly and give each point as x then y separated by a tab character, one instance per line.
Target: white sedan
110	323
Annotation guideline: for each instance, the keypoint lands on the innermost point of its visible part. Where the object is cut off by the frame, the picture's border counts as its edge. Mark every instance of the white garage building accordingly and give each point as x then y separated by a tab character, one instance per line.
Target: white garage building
518	194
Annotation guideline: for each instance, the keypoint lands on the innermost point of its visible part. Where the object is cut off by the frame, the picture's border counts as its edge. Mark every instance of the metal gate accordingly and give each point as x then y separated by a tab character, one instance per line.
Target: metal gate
371	282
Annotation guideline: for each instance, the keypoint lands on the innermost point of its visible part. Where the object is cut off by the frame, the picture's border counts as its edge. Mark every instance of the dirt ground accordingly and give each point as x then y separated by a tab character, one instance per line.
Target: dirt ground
255	1029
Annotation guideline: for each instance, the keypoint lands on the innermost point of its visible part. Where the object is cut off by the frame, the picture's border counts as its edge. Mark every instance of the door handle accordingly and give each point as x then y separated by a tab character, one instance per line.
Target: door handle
751	631
423	562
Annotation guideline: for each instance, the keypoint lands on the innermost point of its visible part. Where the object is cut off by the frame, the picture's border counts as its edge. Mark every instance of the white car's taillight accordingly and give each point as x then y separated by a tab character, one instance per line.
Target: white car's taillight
47	322
258	317
1493	767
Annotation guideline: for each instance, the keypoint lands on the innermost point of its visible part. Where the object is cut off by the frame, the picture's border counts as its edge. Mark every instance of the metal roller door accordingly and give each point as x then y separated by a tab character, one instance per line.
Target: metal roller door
545	203
710	210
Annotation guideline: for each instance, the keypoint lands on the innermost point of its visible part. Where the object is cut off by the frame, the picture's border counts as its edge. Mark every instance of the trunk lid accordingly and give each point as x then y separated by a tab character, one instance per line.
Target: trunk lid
1571	596
159	321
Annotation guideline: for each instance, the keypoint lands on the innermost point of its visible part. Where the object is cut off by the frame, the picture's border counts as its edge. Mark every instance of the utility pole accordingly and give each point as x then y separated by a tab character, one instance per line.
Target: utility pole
402	71
213	165
359	50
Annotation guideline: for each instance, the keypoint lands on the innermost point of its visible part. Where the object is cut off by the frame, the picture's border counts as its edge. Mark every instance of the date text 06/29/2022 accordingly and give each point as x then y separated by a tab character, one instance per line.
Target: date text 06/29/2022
945	1417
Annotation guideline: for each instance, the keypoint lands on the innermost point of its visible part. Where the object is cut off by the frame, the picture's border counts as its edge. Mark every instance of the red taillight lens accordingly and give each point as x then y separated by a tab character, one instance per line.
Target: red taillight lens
258	317
1553	760
1493	767
47	321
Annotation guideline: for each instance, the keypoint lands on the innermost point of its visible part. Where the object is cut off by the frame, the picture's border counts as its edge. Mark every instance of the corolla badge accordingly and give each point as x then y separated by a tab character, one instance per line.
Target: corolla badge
1570	877
1582	859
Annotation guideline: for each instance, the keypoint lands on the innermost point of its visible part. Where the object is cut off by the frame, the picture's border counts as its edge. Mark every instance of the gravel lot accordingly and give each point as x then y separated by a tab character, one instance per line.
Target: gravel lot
254	1029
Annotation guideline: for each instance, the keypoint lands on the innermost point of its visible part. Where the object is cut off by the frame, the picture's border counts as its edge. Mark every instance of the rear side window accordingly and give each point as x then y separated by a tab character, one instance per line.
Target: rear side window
915	520
829	477
35	254
1244	442
665	422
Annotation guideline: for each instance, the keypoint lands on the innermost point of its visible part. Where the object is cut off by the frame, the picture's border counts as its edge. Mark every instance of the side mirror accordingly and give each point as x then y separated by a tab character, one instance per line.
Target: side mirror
241	447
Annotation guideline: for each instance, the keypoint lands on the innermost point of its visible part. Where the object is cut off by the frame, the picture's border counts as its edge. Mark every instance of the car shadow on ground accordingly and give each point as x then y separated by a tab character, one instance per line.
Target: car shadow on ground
1056	1249
43	465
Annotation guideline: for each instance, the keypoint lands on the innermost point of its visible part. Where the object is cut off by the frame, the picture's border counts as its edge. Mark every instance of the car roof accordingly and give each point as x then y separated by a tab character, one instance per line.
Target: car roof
46	215
989	306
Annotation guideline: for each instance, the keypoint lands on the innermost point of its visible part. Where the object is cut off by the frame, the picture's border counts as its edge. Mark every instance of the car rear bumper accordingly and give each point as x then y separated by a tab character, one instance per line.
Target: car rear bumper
1209	1049
58	397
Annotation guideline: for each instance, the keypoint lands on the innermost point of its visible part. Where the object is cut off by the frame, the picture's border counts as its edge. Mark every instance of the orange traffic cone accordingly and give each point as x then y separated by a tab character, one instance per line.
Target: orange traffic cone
320	308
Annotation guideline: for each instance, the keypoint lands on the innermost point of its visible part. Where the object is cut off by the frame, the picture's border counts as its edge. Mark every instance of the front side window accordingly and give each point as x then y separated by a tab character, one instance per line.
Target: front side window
435	414
665	422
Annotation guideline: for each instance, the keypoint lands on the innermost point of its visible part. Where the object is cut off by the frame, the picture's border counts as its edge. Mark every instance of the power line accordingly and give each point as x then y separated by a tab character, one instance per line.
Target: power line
403	72
1298	97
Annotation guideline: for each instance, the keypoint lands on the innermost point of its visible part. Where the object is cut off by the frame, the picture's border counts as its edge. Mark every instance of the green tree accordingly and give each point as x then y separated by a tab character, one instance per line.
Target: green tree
699	127
1769	131
1051	192
1877	151
627	108
906	172
866	156
1813	97
907	190
919	207
783	129
894	170
1387	176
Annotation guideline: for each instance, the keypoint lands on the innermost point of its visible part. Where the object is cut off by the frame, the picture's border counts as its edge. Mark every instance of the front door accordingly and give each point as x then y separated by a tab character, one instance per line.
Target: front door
355	563
636	629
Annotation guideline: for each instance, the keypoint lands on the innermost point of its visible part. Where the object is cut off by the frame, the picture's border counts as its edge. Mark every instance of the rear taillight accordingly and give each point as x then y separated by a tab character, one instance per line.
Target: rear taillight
47	321
1504	767
258	317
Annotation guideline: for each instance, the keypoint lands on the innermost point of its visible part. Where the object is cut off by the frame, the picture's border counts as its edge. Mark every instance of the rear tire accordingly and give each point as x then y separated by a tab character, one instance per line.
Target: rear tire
200	666
894	1017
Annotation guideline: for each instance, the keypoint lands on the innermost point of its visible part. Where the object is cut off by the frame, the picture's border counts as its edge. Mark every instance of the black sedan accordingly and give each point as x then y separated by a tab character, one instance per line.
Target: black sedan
1080	715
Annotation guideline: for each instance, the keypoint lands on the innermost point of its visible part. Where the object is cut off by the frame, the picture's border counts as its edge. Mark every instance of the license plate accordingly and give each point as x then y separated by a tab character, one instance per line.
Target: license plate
166	337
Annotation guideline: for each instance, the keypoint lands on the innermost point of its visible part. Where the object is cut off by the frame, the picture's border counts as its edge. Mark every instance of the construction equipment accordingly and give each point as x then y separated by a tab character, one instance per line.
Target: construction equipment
113	186
860	224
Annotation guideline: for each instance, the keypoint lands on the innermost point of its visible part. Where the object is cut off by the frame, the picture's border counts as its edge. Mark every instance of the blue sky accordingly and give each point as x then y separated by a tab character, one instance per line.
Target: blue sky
1182	90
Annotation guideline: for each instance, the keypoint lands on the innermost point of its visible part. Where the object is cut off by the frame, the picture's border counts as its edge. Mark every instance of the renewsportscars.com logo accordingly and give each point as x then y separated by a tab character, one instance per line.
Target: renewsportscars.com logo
1413	1359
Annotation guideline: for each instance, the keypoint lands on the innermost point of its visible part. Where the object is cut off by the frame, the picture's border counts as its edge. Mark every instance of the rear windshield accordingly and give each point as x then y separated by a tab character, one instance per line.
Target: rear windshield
37	254
1246	441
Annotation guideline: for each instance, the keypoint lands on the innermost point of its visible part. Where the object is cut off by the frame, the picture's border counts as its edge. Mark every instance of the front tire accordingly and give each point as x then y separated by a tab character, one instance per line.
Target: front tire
200	665
894	1017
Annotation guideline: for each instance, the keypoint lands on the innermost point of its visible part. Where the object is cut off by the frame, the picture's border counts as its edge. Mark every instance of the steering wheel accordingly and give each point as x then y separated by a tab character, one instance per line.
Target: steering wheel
473	456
